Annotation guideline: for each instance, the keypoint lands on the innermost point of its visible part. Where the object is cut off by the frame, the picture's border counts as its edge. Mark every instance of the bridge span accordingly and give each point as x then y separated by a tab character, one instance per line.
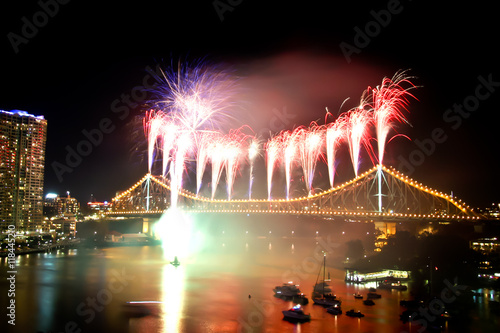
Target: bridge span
403	198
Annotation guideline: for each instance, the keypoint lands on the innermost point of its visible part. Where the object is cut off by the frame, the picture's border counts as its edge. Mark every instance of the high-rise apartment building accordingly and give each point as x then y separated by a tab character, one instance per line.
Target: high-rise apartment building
22	162
57	206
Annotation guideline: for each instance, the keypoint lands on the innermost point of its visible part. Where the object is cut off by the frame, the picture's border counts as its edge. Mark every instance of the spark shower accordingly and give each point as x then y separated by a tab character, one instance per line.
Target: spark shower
185	125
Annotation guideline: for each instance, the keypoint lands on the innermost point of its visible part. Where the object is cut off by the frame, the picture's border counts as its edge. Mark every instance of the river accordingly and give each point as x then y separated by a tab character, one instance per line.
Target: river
225	285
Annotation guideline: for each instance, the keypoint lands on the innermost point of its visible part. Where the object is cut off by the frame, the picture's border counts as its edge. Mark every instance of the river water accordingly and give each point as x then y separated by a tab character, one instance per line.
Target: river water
225	285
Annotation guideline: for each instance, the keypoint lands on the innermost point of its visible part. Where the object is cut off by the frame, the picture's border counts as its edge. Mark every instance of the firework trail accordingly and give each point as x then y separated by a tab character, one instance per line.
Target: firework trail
183	146
310	142
196	96
387	101
335	133
290	149
168	138
253	151
152	124
226	152
204	142
194	102
358	120
217	152
191	99
232	156
272	148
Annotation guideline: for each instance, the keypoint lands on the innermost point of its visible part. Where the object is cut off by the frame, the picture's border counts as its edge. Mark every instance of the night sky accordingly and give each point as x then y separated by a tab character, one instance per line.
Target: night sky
293	60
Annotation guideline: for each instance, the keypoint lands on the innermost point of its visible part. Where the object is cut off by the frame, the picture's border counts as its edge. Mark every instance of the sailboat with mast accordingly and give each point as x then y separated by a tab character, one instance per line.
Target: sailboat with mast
322	293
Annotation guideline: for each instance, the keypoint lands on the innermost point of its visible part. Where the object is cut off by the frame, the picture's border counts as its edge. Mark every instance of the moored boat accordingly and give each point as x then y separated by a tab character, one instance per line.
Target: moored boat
368	302
326	302
287	290
373	295
352	313
176	262
296	313
322	287
335	310
322	292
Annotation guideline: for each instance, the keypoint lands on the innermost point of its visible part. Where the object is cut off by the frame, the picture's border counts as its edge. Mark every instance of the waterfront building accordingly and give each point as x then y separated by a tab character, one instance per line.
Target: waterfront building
22	163
58	206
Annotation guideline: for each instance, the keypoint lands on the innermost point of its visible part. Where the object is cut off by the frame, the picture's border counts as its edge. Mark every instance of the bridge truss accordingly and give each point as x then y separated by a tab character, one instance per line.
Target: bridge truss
401	198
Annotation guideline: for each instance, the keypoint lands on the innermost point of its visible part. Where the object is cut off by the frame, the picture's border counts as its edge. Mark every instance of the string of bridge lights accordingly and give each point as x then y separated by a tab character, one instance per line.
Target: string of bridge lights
223	202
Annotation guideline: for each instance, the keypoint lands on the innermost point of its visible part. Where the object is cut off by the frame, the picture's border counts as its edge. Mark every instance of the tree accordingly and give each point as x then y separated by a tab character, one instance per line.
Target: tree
355	250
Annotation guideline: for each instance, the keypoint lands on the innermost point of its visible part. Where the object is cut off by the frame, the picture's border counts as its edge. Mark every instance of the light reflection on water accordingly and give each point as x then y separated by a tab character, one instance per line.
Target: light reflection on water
208	292
172	296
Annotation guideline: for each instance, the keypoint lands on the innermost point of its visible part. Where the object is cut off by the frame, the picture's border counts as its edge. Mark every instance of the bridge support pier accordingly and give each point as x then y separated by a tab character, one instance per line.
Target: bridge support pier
147	226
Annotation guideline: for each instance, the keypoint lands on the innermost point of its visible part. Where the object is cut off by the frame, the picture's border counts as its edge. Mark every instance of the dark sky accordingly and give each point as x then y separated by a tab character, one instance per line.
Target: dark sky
76	65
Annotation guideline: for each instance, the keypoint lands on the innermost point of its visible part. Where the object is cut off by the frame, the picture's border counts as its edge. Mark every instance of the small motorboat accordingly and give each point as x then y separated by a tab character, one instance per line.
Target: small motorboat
327	302
296	314
176	262
372	290
373	295
358	296
352	313
287	290
335	310
368	302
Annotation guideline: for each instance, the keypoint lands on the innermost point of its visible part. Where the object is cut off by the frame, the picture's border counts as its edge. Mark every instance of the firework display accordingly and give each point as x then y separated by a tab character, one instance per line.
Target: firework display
185	126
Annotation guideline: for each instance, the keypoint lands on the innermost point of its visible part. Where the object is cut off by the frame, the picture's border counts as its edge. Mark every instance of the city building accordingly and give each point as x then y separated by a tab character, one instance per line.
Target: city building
359	276
492	212
58	206
485	245
22	163
489	264
97	209
61	213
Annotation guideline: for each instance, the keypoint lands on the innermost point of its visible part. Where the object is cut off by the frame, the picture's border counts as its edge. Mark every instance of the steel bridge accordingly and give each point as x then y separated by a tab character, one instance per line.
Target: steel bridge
403	199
